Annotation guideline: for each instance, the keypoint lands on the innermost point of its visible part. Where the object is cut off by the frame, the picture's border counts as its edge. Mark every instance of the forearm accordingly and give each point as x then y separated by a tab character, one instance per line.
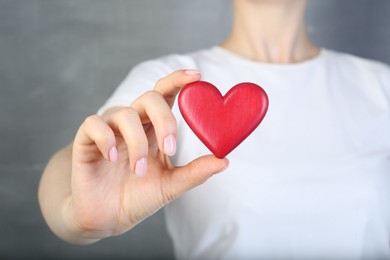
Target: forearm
54	196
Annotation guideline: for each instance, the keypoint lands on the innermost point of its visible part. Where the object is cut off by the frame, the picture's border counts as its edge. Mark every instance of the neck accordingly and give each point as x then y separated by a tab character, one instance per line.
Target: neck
270	31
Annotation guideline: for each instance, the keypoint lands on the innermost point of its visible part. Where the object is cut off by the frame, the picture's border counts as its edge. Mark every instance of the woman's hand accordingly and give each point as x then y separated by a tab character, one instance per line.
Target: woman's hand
121	172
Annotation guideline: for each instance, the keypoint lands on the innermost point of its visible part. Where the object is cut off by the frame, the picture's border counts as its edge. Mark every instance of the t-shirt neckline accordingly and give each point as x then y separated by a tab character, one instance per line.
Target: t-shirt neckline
241	59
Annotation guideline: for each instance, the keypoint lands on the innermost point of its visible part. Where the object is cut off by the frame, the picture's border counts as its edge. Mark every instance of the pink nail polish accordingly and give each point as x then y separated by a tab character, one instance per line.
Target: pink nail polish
113	154
192	72
141	167
170	145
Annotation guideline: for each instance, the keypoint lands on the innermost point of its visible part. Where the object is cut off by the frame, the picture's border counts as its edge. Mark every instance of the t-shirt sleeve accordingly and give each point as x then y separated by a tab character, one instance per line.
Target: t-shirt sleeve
140	79
385	79
384	76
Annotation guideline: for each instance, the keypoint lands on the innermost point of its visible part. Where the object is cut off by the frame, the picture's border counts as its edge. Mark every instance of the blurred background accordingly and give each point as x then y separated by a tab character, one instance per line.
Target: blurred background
61	59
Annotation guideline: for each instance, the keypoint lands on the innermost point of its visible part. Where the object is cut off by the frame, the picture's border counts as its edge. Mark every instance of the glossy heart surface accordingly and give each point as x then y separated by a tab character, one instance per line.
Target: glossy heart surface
222	122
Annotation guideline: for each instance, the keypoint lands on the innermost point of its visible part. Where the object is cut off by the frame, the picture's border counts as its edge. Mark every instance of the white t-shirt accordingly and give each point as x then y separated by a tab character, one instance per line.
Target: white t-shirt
312	181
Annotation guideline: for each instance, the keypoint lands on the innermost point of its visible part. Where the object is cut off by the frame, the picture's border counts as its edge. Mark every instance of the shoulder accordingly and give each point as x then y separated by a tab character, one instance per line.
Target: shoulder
370	75
353	63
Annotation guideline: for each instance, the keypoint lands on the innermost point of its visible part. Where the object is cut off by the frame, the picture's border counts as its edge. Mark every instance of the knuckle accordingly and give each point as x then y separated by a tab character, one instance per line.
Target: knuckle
126	113
97	130
161	81
160	85
168	193
168	197
91	120
152	94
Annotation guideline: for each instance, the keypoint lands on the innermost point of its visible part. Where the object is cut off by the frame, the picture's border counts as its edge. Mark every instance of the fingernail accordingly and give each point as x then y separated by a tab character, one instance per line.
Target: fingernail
192	72
170	145
140	167
113	154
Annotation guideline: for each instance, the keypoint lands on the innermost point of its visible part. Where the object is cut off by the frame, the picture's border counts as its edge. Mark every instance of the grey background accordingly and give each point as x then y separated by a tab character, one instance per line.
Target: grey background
61	59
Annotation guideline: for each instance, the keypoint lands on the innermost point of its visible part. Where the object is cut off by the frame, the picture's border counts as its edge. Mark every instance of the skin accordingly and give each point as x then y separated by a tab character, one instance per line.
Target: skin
117	171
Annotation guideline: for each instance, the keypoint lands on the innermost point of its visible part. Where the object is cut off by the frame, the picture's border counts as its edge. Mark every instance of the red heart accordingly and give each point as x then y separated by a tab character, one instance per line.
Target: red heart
222	122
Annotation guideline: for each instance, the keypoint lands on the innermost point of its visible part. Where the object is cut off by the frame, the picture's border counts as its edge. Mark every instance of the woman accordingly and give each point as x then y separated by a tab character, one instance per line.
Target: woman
311	181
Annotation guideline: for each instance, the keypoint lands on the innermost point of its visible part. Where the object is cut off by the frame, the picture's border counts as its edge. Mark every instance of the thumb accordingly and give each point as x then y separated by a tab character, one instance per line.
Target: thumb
195	173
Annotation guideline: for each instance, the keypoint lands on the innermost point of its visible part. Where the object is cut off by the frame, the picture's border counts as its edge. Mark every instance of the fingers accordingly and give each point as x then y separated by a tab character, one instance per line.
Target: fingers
155	107
152	107
193	174
127	124
95	131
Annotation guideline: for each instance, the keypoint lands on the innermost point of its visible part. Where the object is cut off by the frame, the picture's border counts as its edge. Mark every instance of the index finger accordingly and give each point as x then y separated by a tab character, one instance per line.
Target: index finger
170	85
